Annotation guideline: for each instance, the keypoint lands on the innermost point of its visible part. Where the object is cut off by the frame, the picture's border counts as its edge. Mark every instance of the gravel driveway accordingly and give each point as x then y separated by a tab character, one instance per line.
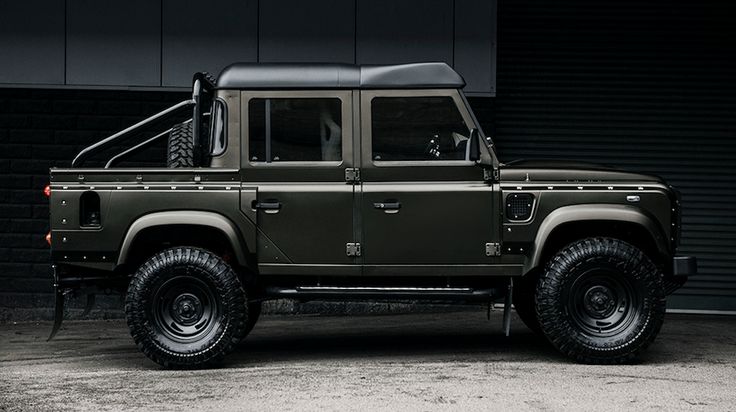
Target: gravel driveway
455	360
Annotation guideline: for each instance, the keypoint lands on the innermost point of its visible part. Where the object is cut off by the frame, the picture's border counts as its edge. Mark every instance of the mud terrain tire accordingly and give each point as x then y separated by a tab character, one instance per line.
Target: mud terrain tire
186	308
601	301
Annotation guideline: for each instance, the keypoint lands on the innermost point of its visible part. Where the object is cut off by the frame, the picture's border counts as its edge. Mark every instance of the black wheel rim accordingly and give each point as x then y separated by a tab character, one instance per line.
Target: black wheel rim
186	309
603	303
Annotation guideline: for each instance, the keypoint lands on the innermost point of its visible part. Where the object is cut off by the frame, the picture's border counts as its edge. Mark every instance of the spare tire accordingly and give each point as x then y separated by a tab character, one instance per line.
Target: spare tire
180	152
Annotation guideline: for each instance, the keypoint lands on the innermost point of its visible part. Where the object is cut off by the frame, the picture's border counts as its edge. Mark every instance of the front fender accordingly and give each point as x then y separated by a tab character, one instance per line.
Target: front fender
179	217
593	212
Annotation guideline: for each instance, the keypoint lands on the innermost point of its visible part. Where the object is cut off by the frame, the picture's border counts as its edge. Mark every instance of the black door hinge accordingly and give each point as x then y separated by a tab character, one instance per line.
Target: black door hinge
353	249
352	174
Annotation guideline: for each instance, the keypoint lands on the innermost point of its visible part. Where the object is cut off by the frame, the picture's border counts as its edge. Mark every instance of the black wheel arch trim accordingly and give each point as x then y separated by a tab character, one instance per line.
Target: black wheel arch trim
186	217
593	212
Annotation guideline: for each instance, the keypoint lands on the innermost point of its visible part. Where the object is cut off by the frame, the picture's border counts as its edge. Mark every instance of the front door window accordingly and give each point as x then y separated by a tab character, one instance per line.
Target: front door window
417	128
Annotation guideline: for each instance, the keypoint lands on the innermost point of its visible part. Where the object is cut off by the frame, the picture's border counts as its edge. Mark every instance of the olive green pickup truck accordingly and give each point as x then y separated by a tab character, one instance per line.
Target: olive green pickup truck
345	182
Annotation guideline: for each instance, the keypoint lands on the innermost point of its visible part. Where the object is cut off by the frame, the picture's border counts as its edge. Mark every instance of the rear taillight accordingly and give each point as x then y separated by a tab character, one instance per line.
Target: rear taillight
48	238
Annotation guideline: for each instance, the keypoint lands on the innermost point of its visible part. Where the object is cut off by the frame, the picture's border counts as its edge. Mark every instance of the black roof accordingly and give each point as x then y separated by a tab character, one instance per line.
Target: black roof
338	76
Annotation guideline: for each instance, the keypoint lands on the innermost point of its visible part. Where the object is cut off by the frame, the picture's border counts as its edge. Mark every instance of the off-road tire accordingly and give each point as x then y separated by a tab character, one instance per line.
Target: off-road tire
180	151
186	308
601	301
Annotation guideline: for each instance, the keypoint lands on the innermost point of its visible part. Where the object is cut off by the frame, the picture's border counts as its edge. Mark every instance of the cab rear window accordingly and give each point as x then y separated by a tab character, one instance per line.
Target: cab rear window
218	140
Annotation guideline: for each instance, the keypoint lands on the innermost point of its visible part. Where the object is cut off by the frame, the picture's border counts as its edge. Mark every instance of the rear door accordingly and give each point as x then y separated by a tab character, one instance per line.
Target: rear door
297	147
425	209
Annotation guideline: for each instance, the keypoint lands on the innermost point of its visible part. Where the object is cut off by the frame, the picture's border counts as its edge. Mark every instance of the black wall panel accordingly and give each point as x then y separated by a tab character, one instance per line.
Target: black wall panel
307	31
161	43
645	86
392	31
192	44
32	42
475	44
114	42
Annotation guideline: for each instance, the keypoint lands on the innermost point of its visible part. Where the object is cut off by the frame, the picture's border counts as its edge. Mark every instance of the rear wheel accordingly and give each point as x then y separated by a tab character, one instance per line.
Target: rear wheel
601	300
186	308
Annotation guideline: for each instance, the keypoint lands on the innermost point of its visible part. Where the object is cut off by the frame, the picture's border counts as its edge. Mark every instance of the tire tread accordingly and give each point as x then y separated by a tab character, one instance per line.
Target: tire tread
563	335
228	286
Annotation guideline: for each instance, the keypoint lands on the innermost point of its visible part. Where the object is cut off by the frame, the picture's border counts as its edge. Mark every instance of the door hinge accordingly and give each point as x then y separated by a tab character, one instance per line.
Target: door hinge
352	174
493	249
491	175
352	249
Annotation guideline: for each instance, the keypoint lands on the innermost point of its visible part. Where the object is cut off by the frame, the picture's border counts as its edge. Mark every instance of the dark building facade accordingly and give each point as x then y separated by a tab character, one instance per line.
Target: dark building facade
646	86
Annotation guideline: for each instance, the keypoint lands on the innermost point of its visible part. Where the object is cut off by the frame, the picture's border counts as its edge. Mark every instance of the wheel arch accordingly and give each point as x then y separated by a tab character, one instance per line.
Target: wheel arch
571	223
199	227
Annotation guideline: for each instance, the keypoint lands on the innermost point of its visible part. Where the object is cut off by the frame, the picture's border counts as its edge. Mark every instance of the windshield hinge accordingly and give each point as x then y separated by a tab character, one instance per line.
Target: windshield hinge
352	174
491	175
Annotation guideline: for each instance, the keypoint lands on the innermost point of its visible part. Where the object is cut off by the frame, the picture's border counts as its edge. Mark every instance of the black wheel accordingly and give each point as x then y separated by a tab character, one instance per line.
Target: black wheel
186	308
254	312
601	301
180	151
524	302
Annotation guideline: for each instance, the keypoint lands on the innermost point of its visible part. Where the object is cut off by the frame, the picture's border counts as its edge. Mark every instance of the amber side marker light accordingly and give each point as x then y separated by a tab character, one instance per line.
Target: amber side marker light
47	193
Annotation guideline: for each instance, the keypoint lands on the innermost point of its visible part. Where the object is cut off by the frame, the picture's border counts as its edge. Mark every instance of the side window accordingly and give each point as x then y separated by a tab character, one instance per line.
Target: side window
417	128
218	139
295	130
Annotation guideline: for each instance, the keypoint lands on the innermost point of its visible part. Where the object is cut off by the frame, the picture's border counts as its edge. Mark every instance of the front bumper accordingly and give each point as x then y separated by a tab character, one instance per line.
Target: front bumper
682	268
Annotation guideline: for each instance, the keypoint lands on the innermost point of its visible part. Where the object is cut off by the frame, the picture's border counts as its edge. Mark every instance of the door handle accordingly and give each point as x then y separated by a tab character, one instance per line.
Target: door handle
388	207
269	206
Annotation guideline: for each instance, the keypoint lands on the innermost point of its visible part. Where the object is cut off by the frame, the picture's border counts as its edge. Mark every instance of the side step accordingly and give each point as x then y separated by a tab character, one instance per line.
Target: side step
383	292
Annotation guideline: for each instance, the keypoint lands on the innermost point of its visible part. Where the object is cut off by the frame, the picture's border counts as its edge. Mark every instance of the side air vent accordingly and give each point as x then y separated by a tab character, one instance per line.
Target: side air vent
519	206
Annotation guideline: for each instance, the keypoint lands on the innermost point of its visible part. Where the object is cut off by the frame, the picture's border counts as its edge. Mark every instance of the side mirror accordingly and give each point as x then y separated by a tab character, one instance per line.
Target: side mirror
474	148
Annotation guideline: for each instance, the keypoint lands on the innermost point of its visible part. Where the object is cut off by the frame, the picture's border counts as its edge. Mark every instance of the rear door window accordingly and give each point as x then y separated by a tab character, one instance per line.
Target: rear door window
294	129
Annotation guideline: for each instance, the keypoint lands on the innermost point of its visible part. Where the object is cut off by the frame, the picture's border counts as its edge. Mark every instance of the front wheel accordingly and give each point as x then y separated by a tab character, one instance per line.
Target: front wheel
186	308
601	301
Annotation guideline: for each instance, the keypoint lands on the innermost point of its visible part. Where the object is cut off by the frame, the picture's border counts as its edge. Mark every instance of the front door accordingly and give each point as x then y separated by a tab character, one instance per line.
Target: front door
425	209
298	147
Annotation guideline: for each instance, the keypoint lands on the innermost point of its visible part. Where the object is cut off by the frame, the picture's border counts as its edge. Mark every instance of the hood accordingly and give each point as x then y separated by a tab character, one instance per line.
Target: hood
569	171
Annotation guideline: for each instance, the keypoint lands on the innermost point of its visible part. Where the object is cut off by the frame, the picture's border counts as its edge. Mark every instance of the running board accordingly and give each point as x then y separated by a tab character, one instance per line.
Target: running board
380	292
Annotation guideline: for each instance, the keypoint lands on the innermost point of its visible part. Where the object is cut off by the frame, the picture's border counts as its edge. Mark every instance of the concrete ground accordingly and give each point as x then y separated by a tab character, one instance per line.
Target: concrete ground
457	361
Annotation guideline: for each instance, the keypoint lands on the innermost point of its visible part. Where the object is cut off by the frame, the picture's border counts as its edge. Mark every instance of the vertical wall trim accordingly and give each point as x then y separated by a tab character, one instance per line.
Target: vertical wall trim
66	35
454	27
161	47
258	31
355	33
494	48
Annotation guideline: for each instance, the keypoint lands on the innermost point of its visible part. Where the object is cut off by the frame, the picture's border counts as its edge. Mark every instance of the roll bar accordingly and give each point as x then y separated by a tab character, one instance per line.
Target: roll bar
201	82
